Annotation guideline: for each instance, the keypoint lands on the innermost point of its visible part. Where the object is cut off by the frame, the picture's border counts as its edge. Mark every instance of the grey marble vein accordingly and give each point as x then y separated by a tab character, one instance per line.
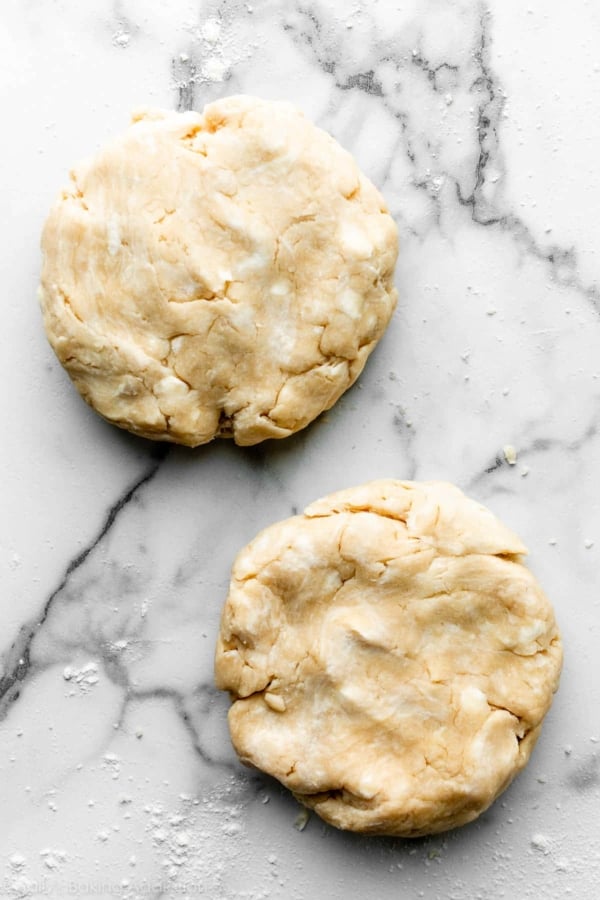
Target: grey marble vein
473	76
17	661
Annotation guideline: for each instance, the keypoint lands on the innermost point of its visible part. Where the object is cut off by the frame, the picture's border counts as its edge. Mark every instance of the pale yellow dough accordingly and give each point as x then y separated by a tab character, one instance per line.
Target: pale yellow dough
217	274
390	658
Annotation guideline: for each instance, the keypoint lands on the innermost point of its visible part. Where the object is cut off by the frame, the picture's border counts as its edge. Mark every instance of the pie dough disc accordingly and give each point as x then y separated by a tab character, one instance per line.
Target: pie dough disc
390	658
218	274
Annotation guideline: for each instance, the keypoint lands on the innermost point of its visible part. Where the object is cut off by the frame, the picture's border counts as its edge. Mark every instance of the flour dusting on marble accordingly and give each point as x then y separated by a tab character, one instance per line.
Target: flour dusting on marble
215	46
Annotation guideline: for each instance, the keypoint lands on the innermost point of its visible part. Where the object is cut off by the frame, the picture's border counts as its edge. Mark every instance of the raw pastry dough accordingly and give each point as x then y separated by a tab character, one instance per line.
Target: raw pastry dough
389	657
217	274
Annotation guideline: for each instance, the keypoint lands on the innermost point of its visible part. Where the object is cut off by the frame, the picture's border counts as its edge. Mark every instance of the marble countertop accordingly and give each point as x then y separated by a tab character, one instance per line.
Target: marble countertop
478	121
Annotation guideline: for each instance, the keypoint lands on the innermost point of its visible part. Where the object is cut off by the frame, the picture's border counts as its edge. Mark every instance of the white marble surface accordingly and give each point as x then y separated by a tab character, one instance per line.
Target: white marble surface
479	123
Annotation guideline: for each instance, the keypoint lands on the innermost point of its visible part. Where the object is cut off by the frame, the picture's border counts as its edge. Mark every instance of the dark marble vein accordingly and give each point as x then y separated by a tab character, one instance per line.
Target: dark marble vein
312	34
362	81
561	260
18	658
180	703
185	73
488	118
536	446
434	72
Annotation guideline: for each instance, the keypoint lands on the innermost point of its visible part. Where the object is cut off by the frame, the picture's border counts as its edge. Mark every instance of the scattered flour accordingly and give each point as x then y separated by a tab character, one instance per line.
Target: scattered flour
53	859
16	883
121	39
541	843
111	763
82	679
215	50
211	30
195	846
215	69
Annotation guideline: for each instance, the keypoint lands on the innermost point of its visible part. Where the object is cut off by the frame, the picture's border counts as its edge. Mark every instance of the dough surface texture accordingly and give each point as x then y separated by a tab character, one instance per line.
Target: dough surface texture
389	657
224	273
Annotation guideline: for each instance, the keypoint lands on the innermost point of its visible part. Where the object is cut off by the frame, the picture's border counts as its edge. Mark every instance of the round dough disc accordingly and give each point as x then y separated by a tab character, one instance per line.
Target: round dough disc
217	274
389	657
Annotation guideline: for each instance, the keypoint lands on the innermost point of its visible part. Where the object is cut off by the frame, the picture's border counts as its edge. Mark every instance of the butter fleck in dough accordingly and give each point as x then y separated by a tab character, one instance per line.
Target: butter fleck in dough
217	274
390	658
